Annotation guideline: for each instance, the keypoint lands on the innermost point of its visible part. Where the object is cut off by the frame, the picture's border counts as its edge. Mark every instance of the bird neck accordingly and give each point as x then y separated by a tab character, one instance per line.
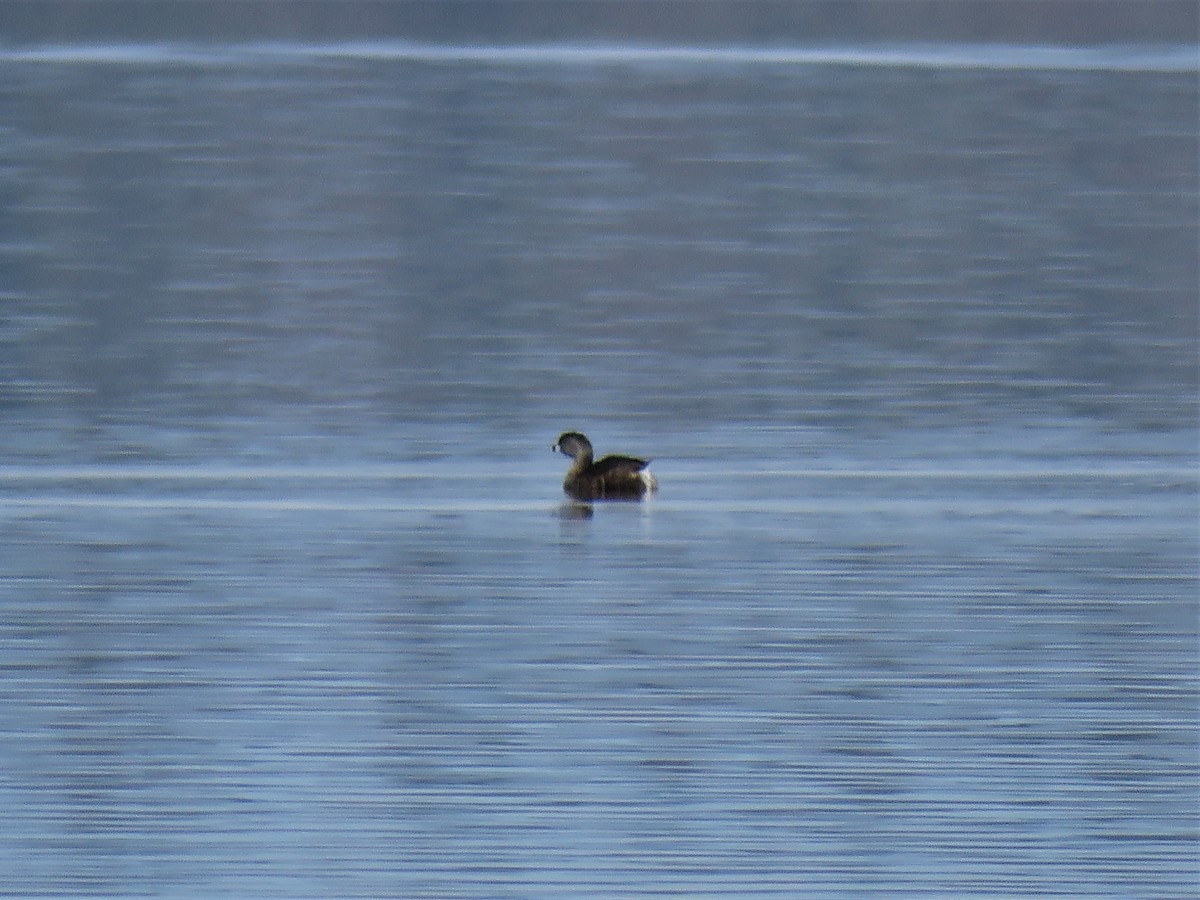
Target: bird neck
581	461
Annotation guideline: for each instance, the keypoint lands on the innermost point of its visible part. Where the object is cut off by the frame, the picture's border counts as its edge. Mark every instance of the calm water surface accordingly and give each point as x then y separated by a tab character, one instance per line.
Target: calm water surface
291	603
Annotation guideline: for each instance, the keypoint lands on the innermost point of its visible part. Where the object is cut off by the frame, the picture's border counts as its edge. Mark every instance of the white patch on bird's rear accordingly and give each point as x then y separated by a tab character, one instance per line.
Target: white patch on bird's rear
648	480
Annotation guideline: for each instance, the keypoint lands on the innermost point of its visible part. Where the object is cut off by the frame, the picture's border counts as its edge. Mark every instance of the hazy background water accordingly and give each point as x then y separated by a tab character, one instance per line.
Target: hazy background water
290	602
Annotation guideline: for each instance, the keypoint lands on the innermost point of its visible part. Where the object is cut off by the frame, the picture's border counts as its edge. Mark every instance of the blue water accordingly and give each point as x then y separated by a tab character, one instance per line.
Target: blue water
291	602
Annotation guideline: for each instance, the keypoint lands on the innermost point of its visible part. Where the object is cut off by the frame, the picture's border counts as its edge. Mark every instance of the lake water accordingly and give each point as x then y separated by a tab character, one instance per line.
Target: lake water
291	603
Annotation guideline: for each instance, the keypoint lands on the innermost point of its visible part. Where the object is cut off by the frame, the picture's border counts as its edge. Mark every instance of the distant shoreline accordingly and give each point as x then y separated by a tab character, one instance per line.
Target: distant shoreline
1068	23
1000	57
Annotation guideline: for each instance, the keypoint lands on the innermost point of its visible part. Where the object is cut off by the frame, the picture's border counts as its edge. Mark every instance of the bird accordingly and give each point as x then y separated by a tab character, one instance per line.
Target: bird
609	478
